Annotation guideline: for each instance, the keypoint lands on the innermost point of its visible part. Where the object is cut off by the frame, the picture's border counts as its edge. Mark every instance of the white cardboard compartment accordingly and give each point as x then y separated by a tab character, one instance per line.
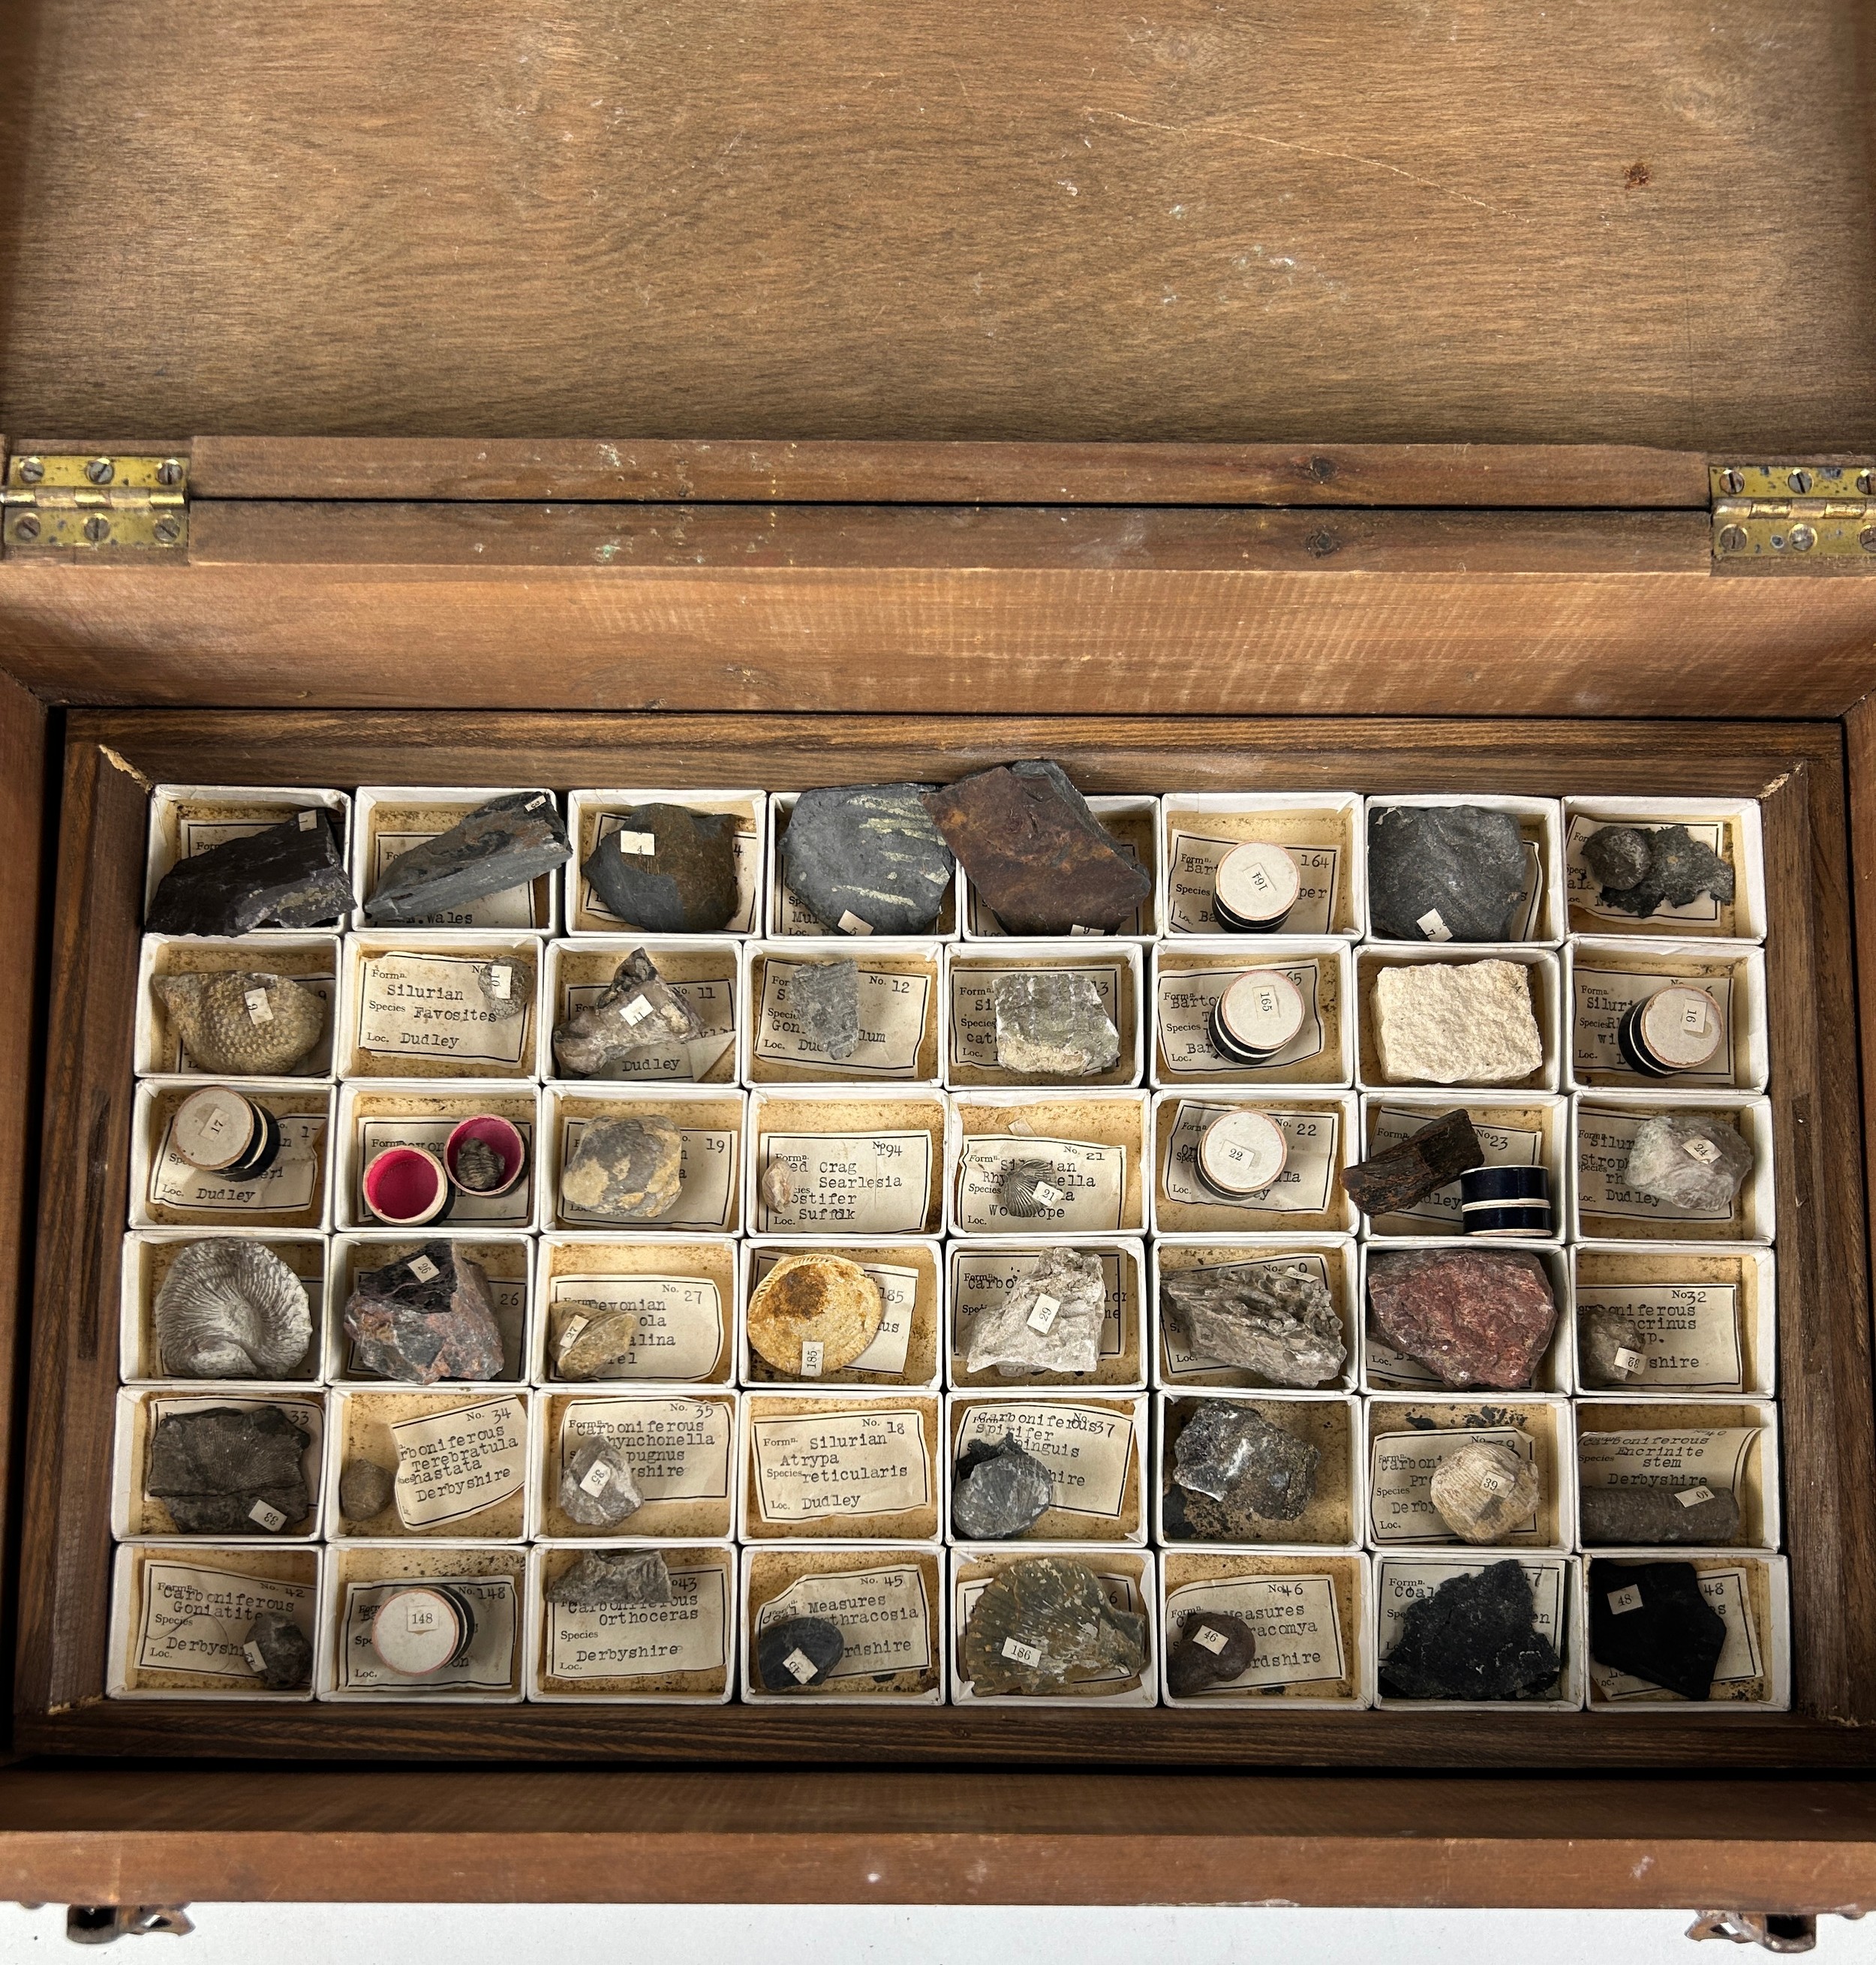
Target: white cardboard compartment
507	1260
1617	1274
185	820
712	1118
701	1618
1735	821
1405	1438
681	1445
1096	1140
1595	967
868	1162
981	1271
388	820
135	1516
1706	1441
375	1115
1515	1129
901	1614
261	1576
1129	1575
1340	1488
968	1040
1540	918
1312	1618
902	1004
1323	829
453	1040
1756	1605
1594	1149
706	970
148	1253
1386	1370
1396	1583
1333	1259
907	1355
1322	1129
686	1293
1547	999
485	1454
1095	1444
886	1450
300	1175
784	915
499	1643
594	815
311	958
1189	975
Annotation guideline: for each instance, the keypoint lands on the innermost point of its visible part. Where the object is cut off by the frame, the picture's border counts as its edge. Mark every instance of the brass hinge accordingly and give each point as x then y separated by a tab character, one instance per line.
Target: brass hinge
1802	516
90	502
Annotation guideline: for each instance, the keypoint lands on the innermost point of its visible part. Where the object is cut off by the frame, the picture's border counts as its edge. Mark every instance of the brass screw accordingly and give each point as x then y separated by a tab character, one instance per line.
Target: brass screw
26	527
1800	481
167	531
1733	538
1865	482
31	470
99	470
1867	538
169	471
98	530
1733	483
1803	538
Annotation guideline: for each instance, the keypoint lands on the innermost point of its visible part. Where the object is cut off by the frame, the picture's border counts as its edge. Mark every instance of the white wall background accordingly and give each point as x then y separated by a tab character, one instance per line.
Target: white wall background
584	1934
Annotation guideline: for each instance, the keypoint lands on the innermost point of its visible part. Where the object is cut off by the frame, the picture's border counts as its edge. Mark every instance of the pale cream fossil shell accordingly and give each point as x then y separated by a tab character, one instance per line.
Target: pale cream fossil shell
240	1024
1484	1490
231	1309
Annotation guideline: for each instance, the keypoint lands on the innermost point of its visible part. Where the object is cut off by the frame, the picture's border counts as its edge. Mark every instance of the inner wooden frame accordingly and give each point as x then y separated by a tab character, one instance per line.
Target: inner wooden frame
1829	1439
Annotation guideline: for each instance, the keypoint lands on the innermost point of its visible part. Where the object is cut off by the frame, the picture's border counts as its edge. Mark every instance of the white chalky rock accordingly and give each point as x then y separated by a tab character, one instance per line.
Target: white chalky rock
1456	1023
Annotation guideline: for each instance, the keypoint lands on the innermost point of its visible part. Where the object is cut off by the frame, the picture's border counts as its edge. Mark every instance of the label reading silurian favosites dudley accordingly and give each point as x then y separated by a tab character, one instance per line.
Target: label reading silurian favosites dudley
1604	1141
848	1183
899	1296
712	1002
1683	1457
983	1280
196	1619
1740	1660
433	1006
513	907
487	1666
892	1010
1122	1592
973	1005
706	1177
1091	1179
1691	1332
1506	1145
1401	1467
1185	999
884	1614
840	1466
678	1450
643	1640
514	1209
1293	1618
1088	1449
1180	1360
454	1464
1304	1186
287	1186
1604	996
1193	879
680	1335
748	865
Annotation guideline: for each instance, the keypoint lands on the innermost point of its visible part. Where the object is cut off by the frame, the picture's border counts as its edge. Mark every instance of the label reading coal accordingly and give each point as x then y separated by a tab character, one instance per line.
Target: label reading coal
1091	1180
748	847
487	1666
1503	1146
849	1183
289	1185
1739	1661
899	1295
1192	880
892	1010
840	1466
1181	1361
1088	1449
197	1619
706	1177
984	1280
1691	1331
1586	889
884	1614
643	1640
434	1006
678	1450
712	1002
1304	1186
514	1209
1185	999
973	1005
1401	1469
1604	1141
1692	1456
455	1464
1293	1618
679	1335
1401	1580
1605	996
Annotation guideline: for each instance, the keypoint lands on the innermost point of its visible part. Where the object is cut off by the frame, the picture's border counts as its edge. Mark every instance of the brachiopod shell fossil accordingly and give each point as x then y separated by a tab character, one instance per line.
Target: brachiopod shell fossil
1017	1187
242	1024
231	1309
1484	1491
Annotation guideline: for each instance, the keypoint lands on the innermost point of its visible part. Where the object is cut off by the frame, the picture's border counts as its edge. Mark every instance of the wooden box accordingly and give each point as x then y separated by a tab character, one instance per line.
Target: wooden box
1222	404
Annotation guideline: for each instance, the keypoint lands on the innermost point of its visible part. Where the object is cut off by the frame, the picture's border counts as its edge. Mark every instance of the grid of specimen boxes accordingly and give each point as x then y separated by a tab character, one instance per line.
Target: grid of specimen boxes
770	1496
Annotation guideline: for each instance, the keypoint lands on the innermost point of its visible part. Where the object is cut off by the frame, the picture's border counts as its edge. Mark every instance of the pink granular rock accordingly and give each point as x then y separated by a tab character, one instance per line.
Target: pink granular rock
1476	1317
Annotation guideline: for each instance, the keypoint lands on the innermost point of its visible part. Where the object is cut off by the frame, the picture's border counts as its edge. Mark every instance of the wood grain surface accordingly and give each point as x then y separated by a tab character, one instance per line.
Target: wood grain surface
1022	611
1474	220
1824	1364
170	1835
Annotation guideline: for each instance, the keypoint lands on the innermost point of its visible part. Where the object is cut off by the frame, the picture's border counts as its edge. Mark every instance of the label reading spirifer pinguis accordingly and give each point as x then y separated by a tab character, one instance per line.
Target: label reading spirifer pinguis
1088	1449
